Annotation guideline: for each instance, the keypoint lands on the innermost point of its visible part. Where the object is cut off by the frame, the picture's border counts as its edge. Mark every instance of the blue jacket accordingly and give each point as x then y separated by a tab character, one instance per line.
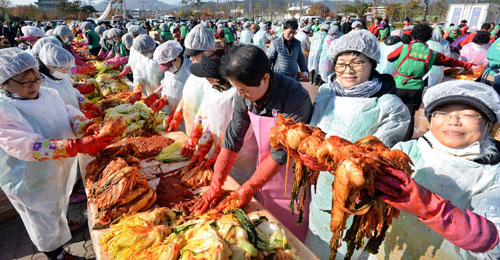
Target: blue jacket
285	62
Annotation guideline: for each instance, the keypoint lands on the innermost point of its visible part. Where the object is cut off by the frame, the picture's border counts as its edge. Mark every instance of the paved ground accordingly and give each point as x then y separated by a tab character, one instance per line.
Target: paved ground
16	244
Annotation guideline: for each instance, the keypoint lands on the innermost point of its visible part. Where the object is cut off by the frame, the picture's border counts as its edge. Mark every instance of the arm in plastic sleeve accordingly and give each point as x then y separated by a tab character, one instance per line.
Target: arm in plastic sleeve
461	227
394	120
124	72
266	170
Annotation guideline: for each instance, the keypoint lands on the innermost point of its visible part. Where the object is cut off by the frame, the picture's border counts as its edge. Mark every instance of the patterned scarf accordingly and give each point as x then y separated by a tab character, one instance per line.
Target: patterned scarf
366	89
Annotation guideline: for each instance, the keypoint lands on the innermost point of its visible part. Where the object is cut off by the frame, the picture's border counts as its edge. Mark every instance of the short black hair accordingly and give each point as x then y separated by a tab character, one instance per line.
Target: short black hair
486	26
291	23
463	21
481	38
452	24
247	64
379	19
421	32
407	19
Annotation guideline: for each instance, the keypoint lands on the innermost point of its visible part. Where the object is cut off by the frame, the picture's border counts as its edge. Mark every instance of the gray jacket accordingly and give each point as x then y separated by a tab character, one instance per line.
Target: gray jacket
285	62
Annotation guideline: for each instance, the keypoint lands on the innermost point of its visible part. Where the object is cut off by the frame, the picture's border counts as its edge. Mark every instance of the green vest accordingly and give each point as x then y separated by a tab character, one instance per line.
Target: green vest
495	31
414	61
316	27
383	33
94	39
167	36
228	35
121	49
455	36
184	31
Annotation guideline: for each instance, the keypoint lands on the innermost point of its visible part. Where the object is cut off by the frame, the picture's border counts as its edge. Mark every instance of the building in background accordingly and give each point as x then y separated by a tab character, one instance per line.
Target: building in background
48	5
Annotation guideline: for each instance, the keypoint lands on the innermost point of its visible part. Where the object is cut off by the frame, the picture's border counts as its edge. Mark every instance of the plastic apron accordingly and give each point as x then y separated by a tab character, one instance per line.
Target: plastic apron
147	73
475	53
384	66
192	96
65	89
272	194
39	190
458	180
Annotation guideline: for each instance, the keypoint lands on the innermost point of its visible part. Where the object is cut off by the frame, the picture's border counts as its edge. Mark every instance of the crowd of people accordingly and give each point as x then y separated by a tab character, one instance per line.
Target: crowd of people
228	81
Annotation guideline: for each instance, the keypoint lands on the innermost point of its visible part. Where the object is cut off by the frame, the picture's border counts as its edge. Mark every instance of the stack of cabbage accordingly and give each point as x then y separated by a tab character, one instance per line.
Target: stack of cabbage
231	236
136	116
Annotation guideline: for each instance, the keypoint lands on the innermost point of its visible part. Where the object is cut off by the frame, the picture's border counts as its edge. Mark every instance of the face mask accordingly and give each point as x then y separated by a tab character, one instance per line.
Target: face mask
58	75
173	69
470	152
148	55
111	41
65	40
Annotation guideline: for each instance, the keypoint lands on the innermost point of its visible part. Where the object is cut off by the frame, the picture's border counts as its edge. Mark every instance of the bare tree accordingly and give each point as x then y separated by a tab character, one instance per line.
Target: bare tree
426	8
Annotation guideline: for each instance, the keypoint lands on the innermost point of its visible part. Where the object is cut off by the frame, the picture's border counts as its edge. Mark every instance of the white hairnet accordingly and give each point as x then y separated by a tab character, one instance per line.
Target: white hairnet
115	32
32	31
128	25
62	30
49	32
472	29
35	51
167	51
106	36
199	38
325	27
263	26
246	24
136	30
454	28
397	33
355	24
437	36
14	61
164	27
333	30
144	43
100	29
475	94
361	41
88	25
56	56
128	40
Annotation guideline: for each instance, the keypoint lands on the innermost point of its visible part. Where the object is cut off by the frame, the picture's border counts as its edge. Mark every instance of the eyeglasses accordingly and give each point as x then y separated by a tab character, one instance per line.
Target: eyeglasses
354	66
29	84
463	118
219	88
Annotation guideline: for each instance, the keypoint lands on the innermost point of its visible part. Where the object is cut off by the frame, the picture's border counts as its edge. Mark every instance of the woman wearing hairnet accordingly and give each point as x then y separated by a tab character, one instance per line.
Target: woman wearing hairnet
198	40
147	77
315	53
31	35
65	36
246	35
92	38
261	37
119	51
390	44
213	117
262	95
55	63
176	67
450	205
356	102
134	56
438	44
325	63
303	36
35	51
38	135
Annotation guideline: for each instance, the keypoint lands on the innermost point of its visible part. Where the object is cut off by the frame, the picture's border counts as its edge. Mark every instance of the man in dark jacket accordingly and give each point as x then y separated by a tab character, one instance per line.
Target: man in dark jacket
285	52
346	26
10	33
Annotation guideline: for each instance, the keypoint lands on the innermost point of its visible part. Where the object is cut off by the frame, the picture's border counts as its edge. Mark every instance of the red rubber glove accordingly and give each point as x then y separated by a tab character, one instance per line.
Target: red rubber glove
462	228
173	121
266	170
124	73
116	62
88	145
213	159
223	166
203	149
91	107
151	99
159	104
190	144
136	97
86	88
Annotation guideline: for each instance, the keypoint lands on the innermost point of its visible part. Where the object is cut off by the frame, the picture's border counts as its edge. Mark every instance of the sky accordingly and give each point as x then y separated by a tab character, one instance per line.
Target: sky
27	2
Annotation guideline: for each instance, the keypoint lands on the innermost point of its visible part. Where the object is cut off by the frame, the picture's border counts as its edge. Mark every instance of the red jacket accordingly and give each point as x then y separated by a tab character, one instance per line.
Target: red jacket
374	28
441	59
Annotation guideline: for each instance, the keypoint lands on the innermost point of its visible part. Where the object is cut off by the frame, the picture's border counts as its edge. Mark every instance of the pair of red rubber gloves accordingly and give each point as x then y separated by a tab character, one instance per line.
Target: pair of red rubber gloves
155	102
91	110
